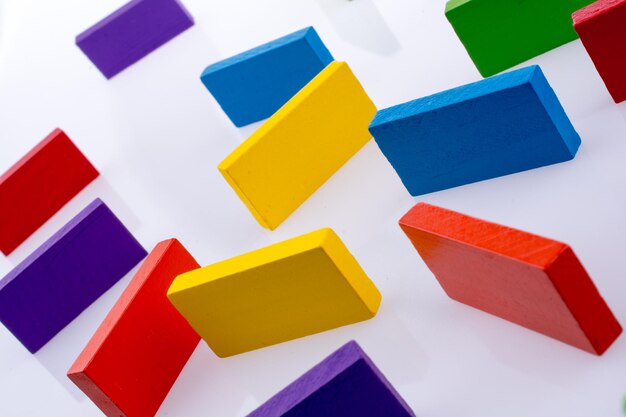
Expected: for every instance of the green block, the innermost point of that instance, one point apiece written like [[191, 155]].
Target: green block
[[499, 34]]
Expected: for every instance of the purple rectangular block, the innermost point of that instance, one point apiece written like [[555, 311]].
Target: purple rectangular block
[[347, 383], [53, 285], [132, 32]]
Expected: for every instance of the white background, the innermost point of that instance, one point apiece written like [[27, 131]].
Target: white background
[[156, 135]]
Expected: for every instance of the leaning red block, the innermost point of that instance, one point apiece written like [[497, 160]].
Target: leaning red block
[[535, 282], [602, 29], [137, 353], [38, 185]]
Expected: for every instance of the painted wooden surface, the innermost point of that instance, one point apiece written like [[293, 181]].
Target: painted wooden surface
[[302, 145], [132, 32], [346, 383], [288, 290], [498, 126], [53, 285], [602, 30], [533, 281], [38, 185], [137, 353], [499, 34], [253, 85], [139, 130]]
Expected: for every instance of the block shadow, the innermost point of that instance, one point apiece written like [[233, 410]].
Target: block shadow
[[99, 188], [361, 24]]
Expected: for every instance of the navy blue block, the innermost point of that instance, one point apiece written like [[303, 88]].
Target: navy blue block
[[345, 384], [251, 86], [498, 126]]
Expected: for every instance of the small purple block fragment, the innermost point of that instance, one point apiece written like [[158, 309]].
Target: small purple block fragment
[[347, 383], [53, 285], [132, 32]]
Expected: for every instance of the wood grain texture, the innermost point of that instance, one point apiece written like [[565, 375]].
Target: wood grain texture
[[499, 34], [346, 383], [302, 286], [301, 146], [132, 32], [137, 353], [253, 85], [498, 126], [67, 273], [602, 30], [38, 185], [533, 281]]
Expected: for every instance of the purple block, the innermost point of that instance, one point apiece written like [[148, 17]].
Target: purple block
[[347, 383], [53, 285], [132, 32]]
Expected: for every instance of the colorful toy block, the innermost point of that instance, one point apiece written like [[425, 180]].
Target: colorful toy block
[[347, 383], [498, 126], [602, 29], [499, 34], [53, 285], [302, 145], [38, 185], [288, 290], [535, 282], [253, 85], [132, 32], [135, 356]]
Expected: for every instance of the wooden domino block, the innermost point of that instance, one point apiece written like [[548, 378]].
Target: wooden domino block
[[535, 282], [253, 85], [499, 34], [38, 185], [302, 145], [346, 383], [602, 29], [54, 284], [132, 32], [288, 290], [498, 126], [135, 356]]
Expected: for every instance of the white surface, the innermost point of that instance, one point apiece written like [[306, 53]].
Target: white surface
[[156, 136]]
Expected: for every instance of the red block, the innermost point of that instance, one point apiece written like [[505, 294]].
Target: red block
[[38, 185], [135, 356], [535, 282], [602, 29]]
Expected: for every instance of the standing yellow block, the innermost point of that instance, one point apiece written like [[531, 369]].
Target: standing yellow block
[[288, 290], [302, 145]]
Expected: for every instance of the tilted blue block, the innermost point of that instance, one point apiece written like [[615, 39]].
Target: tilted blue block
[[498, 126], [251, 86]]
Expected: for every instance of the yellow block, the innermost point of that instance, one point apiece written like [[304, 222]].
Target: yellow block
[[302, 145], [288, 290]]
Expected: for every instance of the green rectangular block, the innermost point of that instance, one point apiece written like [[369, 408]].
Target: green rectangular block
[[499, 34]]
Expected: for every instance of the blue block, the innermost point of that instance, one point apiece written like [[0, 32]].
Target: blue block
[[345, 384], [251, 86], [498, 126]]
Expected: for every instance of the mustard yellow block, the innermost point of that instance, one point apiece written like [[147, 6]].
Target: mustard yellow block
[[288, 290], [302, 145]]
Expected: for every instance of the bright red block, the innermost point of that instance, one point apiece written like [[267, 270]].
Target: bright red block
[[602, 29], [527, 279], [135, 356], [38, 185]]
